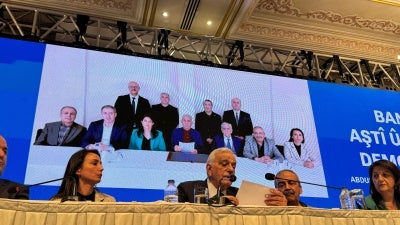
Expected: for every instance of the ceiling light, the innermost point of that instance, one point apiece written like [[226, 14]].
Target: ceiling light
[[209, 22], [165, 14], [398, 57]]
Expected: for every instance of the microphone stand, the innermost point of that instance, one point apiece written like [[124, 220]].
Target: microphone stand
[[44, 182], [270, 176], [218, 199], [73, 197]]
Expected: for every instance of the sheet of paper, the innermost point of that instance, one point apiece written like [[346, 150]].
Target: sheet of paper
[[186, 147], [252, 193]]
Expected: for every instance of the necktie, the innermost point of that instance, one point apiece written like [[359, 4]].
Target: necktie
[[133, 106], [228, 143], [237, 118]]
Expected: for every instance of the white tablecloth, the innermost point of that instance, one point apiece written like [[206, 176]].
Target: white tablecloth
[[15, 212]]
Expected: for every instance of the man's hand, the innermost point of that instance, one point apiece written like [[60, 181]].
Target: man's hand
[[275, 198]]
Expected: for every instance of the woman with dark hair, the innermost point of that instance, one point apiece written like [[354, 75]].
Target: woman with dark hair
[[146, 137], [384, 178], [297, 152], [84, 170]]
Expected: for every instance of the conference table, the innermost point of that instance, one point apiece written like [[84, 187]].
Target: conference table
[[17, 212]]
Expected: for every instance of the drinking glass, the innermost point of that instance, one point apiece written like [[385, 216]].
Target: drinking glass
[[200, 195], [358, 199]]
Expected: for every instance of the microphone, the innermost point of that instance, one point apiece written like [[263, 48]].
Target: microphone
[[232, 178], [270, 176], [13, 190], [218, 199]]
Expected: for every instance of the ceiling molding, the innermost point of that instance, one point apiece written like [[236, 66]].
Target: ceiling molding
[[120, 10], [302, 39], [286, 7]]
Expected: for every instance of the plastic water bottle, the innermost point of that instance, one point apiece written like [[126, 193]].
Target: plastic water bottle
[[171, 192], [345, 199]]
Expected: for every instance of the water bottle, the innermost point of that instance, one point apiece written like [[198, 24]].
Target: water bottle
[[345, 199], [171, 192]]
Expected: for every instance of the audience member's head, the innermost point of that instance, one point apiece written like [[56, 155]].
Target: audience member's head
[[3, 154], [221, 164], [68, 115], [287, 182]]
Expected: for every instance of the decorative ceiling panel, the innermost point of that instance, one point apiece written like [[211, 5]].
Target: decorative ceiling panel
[[123, 10]]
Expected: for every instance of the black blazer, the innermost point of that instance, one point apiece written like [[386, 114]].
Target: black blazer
[[125, 115], [245, 126], [186, 190], [13, 190]]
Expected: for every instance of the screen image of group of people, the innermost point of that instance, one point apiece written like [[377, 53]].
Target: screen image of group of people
[[132, 123], [85, 167]]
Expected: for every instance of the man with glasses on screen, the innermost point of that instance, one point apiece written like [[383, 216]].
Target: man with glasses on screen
[[131, 107], [9, 189]]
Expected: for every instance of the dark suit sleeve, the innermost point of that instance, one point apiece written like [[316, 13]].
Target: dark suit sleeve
[[183, 192], [78, 139], [88, 137], [248, 126], [121, 139], [41, 139], [13, 190]]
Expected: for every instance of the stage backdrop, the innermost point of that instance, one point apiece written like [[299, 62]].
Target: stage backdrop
[[347, 127]]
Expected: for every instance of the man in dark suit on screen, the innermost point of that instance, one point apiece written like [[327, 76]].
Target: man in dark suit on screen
[[131, 107], [62, 133], [166, 118], [240, 120], [106, 134], [10, 189]]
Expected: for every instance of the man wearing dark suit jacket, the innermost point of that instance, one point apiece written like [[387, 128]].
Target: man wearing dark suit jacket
[[240, 120], [131, 107], [63, 133], [220, 167], [106, 134], [228, 141], [166, 118], [208, 124], [10, 189]]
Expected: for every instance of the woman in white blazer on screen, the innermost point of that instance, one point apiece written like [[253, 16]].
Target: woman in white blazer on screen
[[297, 152]]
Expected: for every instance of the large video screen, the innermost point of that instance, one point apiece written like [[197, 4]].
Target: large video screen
[[346, 128]]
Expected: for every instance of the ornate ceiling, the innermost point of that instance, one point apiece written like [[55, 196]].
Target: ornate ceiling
[[349, 41], [368, 29]]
